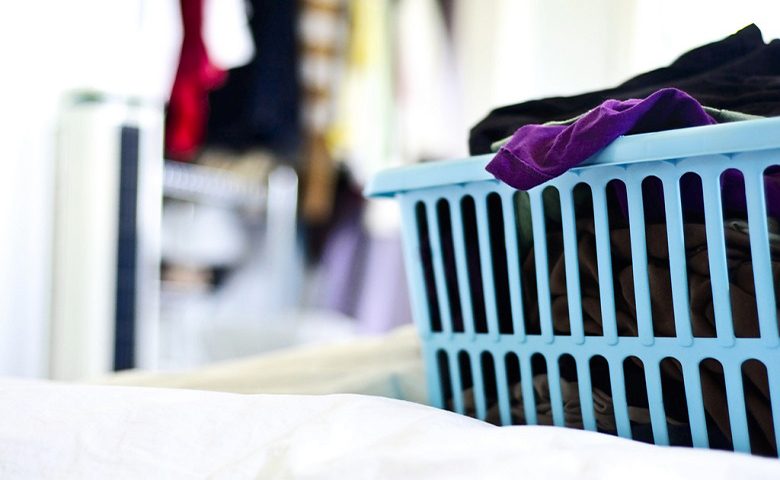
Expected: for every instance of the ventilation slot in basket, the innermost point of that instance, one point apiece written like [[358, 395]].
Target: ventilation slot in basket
[[499, 257], [636, 400], [443, 362], [737, 241], [767, 288], [467, 384], [541, 386], [556, 261], [675, 403], [601, 387], [587, 260], [657, 250], [570, 394], [490, 388], [760, 418], [525, 239], [514, 390], [426, 258], [471, 242], [697, 259], [448, 256], [621, 256], [716, 405]]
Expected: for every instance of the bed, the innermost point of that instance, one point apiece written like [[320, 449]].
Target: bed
[[358, 409], [109, 430]]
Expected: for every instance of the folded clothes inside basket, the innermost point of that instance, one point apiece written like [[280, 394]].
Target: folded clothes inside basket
[[702, 316], [743, 308]]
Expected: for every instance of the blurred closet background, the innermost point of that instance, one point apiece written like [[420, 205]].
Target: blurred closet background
[[181, 179]]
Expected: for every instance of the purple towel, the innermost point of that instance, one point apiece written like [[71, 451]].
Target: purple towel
[[537, 153]]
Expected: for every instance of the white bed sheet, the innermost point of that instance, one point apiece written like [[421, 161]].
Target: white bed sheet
[[50, 430]]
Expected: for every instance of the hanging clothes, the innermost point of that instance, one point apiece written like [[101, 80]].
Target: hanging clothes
[[216, 38], [259, 104], [196, 75], [361, 135], [324, 31]]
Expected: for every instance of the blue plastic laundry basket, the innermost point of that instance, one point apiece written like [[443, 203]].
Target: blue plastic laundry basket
[[477, 341]]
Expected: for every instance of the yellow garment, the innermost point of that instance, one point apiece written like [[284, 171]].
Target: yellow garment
[[361, 133]]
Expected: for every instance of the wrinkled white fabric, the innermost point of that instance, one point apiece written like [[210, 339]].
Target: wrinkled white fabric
[[50, 430]]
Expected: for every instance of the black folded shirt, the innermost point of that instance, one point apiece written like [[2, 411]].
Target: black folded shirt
[[739, 73]]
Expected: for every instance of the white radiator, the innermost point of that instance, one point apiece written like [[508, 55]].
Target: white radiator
[[106, 260]]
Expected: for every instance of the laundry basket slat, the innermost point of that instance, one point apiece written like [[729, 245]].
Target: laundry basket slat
[[677, 261], [713, 218]]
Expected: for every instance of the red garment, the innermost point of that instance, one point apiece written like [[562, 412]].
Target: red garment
[[188, 108]]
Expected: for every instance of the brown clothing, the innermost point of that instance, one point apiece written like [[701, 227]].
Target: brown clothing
[[742, 296]]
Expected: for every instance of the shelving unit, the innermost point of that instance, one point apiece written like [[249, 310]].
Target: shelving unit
[[201, 323]]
